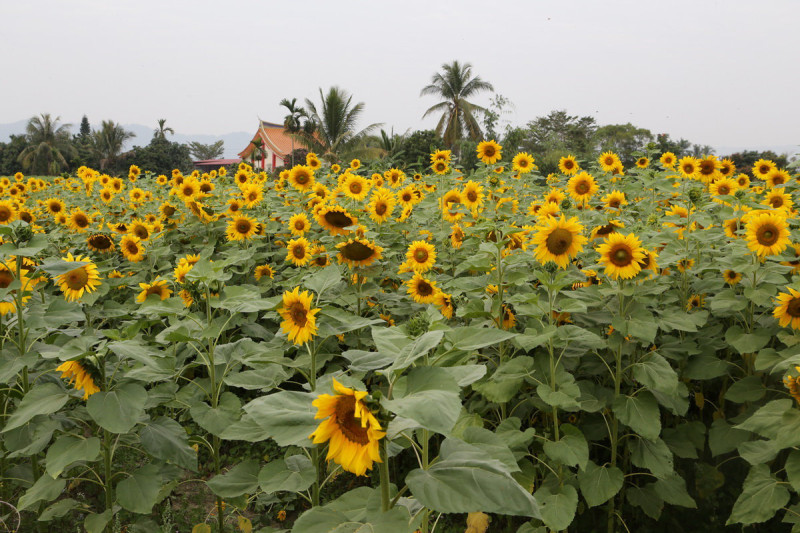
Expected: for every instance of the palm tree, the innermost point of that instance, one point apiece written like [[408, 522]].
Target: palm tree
[[293, 122], [161, 131], [108, 141], [47, 144], [332, 129], [454, 85]]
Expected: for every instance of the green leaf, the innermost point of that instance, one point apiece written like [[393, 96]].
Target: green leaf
[[747, 389], [244, 299], [558, 505], [166, 439], [323, 279], [474, 337], [216, 420], [292, 474], [96, 523], [655, 373], [599, 483], [767, 420], [759, 451], [42, 399], [45, 489], [120, 409], [138, 493], [761, 497], [705, 367], [431, 398], [793, 469], [330, 520], [67, 450], [239, 480], [646, 498], [571, 449], [672, 489], [58, 509], [724, 438], [416, 349], [336, 321], [466, 480], [640, 413], [653, 455], [492, 444], [747, 342], [286, 416], [506, 380]]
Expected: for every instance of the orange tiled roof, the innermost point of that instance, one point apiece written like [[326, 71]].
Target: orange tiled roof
[[275, 138]]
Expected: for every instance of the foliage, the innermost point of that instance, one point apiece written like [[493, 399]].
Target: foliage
[[204, 152], [48, 145], [9, 154], [161, 131], [108, 142], [160, 156], [745, 160], [623, 139]]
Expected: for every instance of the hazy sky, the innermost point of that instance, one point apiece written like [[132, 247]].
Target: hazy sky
[[715, 72]]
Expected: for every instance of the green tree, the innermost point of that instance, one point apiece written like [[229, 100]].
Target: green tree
[[550, 137], [160, 157], [202, 152], [623, 140], [295, 121], [161, 131], [454, 85], [49, 145], [745, 160], [85, 131], [665, 144], [9, 154], [417, 148], [109, 140], [335, 135]]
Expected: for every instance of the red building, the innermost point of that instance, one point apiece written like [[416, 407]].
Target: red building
[[275, 145]]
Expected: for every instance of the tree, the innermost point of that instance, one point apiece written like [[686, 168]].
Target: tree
[[109, 140], [496, 110], [85, 131], [744, 161], [160, 156], [454, 85], [9, 154], [335, 120], [623, 140], [203, 152], [161, 131], [48, 145], [664, 144], [294, 122], [557, 134], [416, 148]]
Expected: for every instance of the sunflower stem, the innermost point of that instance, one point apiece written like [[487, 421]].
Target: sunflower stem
[[384, 472]]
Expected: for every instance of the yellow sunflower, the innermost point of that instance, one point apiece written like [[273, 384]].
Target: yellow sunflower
[[299, 320], [795, 262], [621, 255], [100, 243], [75, 372], [777, 177], [615, 200], [441, 155], [688, 167], [312, 161], [358, 252], [558, 240], [301, 177], [158, 288], [456, 236], [608, 161], [421, 289], [668, 160], [582, 187], [299, 224], [787, 309], [731, 277], [335, 219], [727, 168], [767, 234], [252, 194], [80, 280], [568, 165], [140, 229], [440, 167], [778, 199], [444, 302], [353, 431], [241, 227], [297, 251], [762, 168], [265, 270], [489, 152], [708, 168], [642, 162], [696, 301], [421, 256], [8, 273], [132, 248], [381, 205], [55, 206], [79, 221], [180, 272], [523, 163], [355, 187]]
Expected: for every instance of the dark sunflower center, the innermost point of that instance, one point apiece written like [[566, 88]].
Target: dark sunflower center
[[355, 188], [568, 164], [252, 197], [76, 279], [81, 221], [321, 260], [55, 208], [299, 251], [706, 168], [356, 251], [613, 203], [621, 256], [380, 208], [298, 313], [302, 178], [24, 215], [723, 190], [605, 230], [420, 255], [338, 219], [793, 309], [169, 210], [489, 151], [188, 191], [101, 242], [763, 169], [559, 241], [406, 197], [243, 226], [132, 248], [767, 235], [424, 288], [205, 187], [582, 188], [472, 196], [141, 232], [299, 225], [776, 201], [349, 425], [777, 180], [688, 169], [5, 213], [5, 279], [234, 208]]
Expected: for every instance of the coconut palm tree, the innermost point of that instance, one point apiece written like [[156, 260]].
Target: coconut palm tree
[[109, 140], [454, 85], [293, 122], [47, 145], [161, 131], [334, 125]]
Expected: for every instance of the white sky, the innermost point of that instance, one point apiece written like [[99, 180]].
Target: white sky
[[718, 72]]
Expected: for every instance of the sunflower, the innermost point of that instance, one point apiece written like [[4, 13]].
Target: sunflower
[[549, 209], [509, 318], [188, 190], [621, 255], [688, 167], [731, 277], [55, 206], [489, 152], [421, 289], [180, 272], [264, 271], [8, 213], [795, 262], [167, 210], [668, 160], [582, 187], [100, 243], [684, 264], [335, 219], [696, 301], [440, 167], [441, 155], [406, 196], [80, 280], [136, 195], [252, 194], [608, 161], [106, 195], [727, 168], [75, 372], [777, 199], [358, 252], [299, 224], [708, 168], [240, 228], [395, 177], [787, 309], [558, 240], [140, 229], [355, 187], [642, 162], [523, 163], [732, 226], [762, 168], [321, 259], [335, 168], [444, 302], [776, 177], [456, 236], [131, 248], [767, 234], [312, 161], [615, 199], [568, 165], [158, 288], [8, 273], [555, 196], [299, 320], [420, 256], [723, 187], [793, 384], [381, 205], [297, 251], [301, 177], [353, 431]]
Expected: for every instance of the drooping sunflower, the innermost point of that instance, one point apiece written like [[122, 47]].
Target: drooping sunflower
[[358, 252], [80, 280], [421, 289], [75, 372], [509, 318], [615, 200], [582, 187], [100, 243], [688, 167], [767, 233], [731, 277], [421, 256], [568, 165], [320, 258], [301, 177], [489, 152], [132, 248], [668, 160], [353, 431], [732, 227], [444, 302], [297, 251], [456, 236], [158, 288], [335, 219], [240, 228], [558, 240], [264, 271], [381, 205], [523, 163], [621, 255], [787, 309], [762, 168], [299, 320]]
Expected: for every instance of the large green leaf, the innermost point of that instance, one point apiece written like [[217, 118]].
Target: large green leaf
[[244, 299], [558, 505], [286, 416], [216, 420], [599, 483], [120, 409], [138, 493], [329, 520], [431, 398], [506, 380], [416, 349], [474, 337], [69, 449], [241, 479], [653, 455], [724, 438], [640, 413], [165, 439], [761, 497], [45, 489], [672, 489], [96, 523], [655, 373], [571, 449], [292, 474], [42, 399]]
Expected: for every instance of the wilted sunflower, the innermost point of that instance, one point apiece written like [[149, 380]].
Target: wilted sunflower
[[297, 251], [582, 187], [299, 320], [132, 248], [241, 227], [762, 168], [668, 160], [158, 288], [381, 205], [731, 277], [621, 255], [75, 372], [421, 289], [421, 256], [787, 309], [264, 271], [301, 177], [100, 243], [358, 252], [558, 240], [767, 234], [568, 165], [80, 280], [335, 219], [353, 431], [489, 152], [523, 163]]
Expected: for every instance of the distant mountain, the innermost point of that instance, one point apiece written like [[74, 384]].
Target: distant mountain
[[234, 142]]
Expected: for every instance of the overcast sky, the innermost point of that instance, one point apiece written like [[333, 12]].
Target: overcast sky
[[715, 72]]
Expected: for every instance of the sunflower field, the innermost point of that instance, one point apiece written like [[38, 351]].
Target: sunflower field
[[353, 348]]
